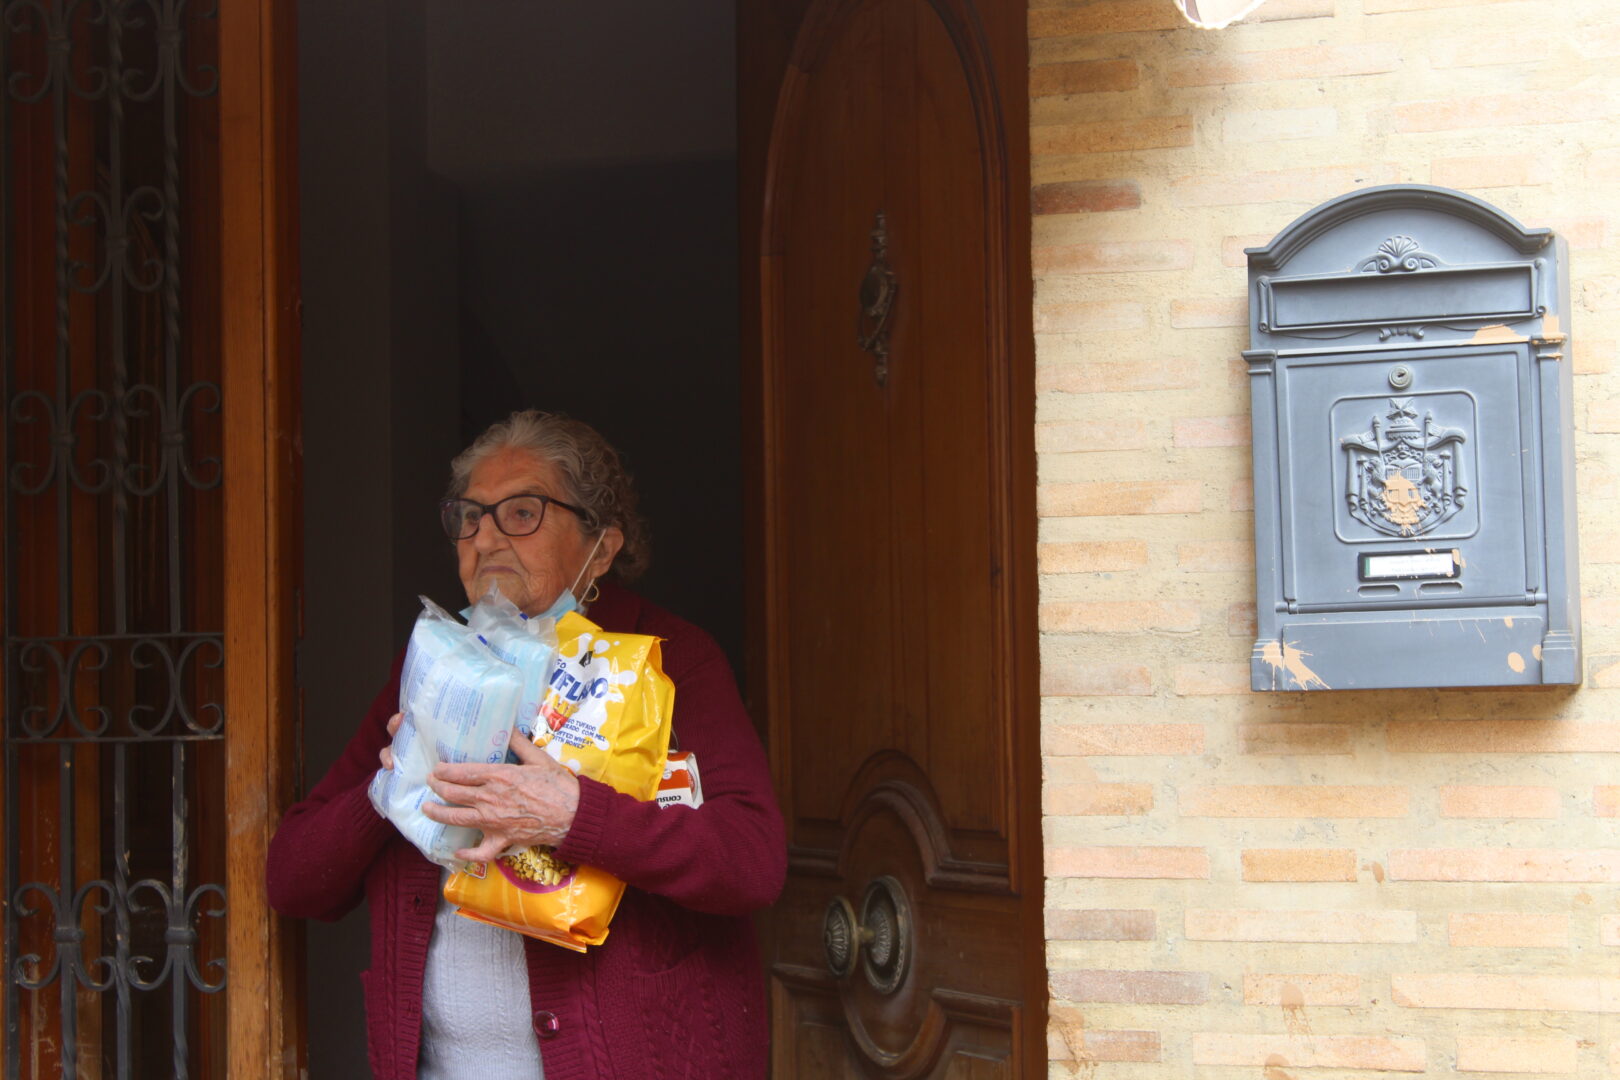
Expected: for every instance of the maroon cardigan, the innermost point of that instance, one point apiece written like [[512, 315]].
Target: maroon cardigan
[[677, 990]]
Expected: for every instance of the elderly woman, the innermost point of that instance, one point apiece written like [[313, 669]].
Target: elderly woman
[[540, 507]]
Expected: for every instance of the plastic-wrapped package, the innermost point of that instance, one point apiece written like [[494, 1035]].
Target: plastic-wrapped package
[[606, 715], [525, 643], [460, 701]]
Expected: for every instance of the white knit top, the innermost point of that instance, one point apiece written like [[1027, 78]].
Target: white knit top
[[476, 1021]]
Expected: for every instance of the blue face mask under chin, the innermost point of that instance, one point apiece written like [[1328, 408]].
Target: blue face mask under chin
[[566, 602]]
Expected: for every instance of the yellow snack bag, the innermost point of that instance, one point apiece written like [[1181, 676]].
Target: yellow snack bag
[[605, 715]]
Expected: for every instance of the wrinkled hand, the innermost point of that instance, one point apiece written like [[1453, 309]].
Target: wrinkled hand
[[386, 754], [529, 803]]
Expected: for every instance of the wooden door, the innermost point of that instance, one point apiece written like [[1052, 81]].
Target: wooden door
[[885, 208], [148, 550]]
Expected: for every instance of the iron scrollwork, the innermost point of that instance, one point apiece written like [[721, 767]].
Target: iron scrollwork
[[113, 664], [880, 288]]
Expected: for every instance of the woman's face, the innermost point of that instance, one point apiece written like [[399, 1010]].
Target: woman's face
[[531, 571]]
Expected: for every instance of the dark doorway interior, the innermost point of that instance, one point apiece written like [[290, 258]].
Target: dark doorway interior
[[504, 204]]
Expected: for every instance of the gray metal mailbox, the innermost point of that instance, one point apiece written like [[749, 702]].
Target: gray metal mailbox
[[1414, 472]]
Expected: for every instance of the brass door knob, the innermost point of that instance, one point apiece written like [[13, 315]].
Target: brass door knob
[[881, 936]]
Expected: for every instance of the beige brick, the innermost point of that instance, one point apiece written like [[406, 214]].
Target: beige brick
[[1089, 436], [1500, 111], [1603, 166], [1586, 234], [1504, 864], [1458, 48], [1068, 1039], [1092, 556], [1130, 256], [1517, 1054], [1598, 41], [1232, 253], [1172, 863], [1300, 990], [1603, 415], [1240, 496], [1299, 864], [1242, 620], [1109, 498], [1295, 801], [1609, 929], [1104, 377], [1597, 292], [1601, 547], [1111, 136], [1294, 739], [1306, 185], [1100, 925], [1509, 930], [1385, 7], [1600, 610], [1282, 10], [1132, 987], [1202, 680], [1085, 197], [1310, 62], [1606, 801], [1090, 316], [1492, 170], [1554, 736], [1118, 616], [1498, 802], [1272, 125], [1280, 1052], [1097, 800], [1083, 77], [1322, 927], [1197, 314], [1105, 17], [1558, 993], [1060, 679], [1215, 556], [1604, 672], [1125, 740], [1196, 432]]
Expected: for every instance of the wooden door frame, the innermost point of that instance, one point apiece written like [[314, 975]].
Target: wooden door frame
[[767, 36], [262, 490]]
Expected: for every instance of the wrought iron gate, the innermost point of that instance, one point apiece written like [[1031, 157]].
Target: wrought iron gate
[[114, 807]]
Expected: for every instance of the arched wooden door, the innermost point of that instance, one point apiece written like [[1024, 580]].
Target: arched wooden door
[[895, 630]]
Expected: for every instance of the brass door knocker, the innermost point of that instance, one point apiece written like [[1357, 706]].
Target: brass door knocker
[[879, 289]]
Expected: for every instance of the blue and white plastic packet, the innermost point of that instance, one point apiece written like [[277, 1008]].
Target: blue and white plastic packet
[[527, 644], [460, 700]]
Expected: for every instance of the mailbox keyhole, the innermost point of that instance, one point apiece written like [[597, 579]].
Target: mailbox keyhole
[[1400, 376]]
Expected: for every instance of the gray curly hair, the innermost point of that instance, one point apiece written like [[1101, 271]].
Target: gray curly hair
[[593, 476]]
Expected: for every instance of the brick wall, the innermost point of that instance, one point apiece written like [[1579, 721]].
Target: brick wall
[[1288, 886]]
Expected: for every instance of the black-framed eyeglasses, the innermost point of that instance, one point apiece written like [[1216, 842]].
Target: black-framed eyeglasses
[[515, 515]]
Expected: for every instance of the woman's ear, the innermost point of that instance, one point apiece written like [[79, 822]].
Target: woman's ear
[[612, 541]]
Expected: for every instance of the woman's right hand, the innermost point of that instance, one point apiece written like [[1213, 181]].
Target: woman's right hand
[[386, 754]]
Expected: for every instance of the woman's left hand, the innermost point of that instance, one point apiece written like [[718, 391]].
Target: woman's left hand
[[532, 802]]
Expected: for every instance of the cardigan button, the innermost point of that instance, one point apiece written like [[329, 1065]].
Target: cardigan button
[[546, 1024]]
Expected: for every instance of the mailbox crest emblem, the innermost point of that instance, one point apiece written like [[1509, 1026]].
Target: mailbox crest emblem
[[1405, 478]]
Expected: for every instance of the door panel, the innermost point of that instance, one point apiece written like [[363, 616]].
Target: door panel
[[895, 495]]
